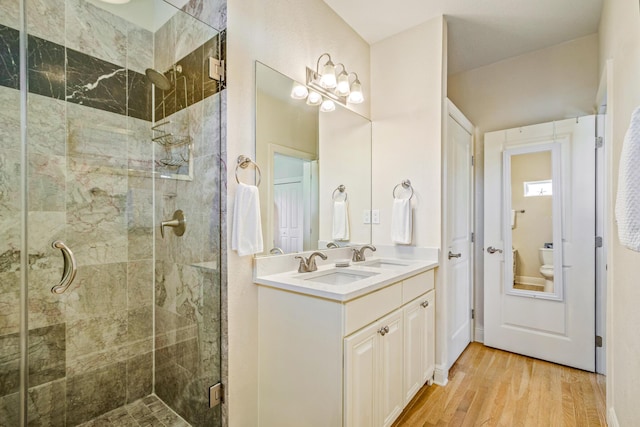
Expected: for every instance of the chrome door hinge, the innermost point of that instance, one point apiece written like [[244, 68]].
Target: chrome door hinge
[[598, 242], [216, 69], [473, 237], [216, 395], [473, 161], [598, 341], [599, 142], [473, 313]]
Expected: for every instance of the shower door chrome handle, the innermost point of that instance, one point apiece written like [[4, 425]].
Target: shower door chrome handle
[[70, 268]]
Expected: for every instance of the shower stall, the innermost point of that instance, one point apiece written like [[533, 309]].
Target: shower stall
[[111, 122]]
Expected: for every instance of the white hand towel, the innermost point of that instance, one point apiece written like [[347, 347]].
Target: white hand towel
[[628, 198], [401, 226], [340, 220], [513, 218], [246, 235]]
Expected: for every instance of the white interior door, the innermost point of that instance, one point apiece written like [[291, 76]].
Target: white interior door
[[557, 327], [289, 215], [458, 254]]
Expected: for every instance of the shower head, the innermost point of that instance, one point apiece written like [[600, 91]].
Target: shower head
[[158, 79]]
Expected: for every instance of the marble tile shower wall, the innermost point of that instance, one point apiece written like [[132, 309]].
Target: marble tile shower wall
[[89, 111]]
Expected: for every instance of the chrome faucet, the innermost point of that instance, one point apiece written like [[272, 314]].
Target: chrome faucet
[[307, 265], [358, 254], [331, 245], [276, 250]]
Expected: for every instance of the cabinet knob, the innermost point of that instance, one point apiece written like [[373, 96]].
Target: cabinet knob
[[425, 304], [384, 330]]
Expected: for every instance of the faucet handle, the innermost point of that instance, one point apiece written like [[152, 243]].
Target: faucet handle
[[303, 267], [356, 255]]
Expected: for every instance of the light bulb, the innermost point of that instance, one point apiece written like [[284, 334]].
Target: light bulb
[[327, 106], [342, 89], [314, 98], [328, 76], [299, 91], [356, 97]]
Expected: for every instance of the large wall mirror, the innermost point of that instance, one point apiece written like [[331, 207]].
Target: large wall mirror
[[316, 169], [533, 221]]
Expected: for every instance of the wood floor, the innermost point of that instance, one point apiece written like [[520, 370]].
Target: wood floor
[[489, 387]]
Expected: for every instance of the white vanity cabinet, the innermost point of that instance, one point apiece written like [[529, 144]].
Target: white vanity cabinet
[[373, 373], [419, 344], [355, 363]]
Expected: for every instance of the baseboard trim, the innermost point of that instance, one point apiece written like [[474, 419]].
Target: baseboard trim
[[479, 335], [441, 375], [612, 419]]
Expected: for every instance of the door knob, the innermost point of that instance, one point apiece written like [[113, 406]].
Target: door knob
[[178, 222], [493, 250], [452, 255]]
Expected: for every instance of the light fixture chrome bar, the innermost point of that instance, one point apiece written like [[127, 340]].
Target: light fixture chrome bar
[[313, 81]]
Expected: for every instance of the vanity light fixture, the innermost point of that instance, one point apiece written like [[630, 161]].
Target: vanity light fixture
[[327, 87]]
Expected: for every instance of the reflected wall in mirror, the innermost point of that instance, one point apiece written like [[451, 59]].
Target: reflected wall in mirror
[[307, 154], [532, 221]]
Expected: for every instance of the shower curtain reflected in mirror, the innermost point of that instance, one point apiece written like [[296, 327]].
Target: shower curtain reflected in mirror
[[136, 336]]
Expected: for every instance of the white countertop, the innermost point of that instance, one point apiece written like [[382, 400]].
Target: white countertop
[[303, 282]]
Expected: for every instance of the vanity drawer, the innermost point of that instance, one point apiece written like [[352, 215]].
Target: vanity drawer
[[366, 309], [417, 285]]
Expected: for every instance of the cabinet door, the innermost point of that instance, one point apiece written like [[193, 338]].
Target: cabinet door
[[391, 367], [414, 347], [360, 377], [428, 304]]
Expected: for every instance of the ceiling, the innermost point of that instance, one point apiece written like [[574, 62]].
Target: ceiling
[[481, 32]]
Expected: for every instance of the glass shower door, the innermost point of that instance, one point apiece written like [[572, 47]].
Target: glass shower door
[[135, 336]]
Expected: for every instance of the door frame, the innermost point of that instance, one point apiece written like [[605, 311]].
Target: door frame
[[272, 150], [442, 363]]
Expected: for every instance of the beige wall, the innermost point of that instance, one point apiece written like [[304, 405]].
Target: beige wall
[[287, 36], [549, 84], [534, 227], [620, 42], [407, 73]]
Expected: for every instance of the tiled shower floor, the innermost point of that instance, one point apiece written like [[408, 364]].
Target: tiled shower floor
[[147, 412]]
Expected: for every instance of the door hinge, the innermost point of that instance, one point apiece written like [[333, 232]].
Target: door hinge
[[473, 313], [473, 237], [216, 395], [598, 341], [473, 161], [598, 242], [599, 141], [216, 69]]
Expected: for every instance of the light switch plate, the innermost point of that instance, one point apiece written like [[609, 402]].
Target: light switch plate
[[375, 216], [366, 216]]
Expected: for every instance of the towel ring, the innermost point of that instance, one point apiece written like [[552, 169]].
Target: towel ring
[[244, 162], [342, 189], [406, 184]]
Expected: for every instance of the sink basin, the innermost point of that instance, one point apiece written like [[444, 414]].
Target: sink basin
[[386, 263], [341, 277]]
